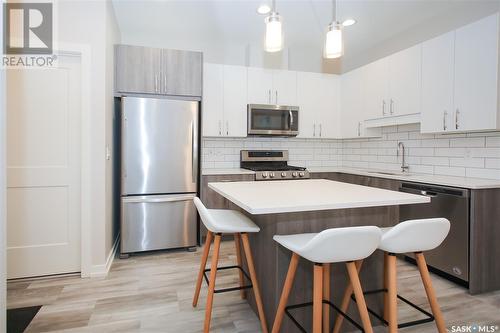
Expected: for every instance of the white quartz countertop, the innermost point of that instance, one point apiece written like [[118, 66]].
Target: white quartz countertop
[[287, 196], [463, 182]]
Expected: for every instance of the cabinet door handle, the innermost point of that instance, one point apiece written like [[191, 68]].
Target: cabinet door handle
[[456, 118], [220, 128], [314, 129], [391, 109], [276, 93], [269, 96], [156, 83], [165, 83], [359, 128], [320, 130], [445, 113], [383, 107], [227, 127]]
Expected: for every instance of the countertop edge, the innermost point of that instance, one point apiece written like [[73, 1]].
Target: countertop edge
[[452, 181]]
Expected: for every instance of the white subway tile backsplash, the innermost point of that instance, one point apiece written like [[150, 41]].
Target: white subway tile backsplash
[[467, 162], [492, 163], [449, 171], [468, 142], [434, 160], [493, 141], [483, 173], [471, 155]]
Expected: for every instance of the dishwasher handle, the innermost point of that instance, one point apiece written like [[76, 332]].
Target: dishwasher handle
[[432, 191]]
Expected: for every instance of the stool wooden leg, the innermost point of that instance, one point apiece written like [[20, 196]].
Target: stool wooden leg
[[317, 298], [429, 289], [255, 283], [345, 301], [386, 296], [326, 297], [204, 257], [237, 243], [280, 312], [211, 286], [360, 298], [392, 293]]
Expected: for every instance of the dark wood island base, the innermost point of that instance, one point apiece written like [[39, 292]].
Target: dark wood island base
[[272, 260]]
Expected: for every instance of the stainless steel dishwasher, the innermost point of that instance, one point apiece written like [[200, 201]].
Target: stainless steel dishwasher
[[452, 257]]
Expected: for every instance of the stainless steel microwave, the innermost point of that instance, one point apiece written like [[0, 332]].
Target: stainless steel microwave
[[279, 120]]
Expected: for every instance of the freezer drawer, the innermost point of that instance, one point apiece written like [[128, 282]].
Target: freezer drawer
[[157, 222]]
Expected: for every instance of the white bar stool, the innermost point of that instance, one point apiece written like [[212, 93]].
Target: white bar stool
[[410, 236], [324, 248], [218, 222]]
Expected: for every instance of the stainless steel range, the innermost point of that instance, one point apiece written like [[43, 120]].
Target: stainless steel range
[[271, 165]]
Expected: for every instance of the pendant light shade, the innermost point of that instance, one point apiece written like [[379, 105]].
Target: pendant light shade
[[334, 43], [274, 32]]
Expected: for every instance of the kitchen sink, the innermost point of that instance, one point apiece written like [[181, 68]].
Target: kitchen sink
[[390, 173]]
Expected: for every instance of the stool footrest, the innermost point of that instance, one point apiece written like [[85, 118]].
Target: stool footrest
[[225, 290], [429, 316], [301, 305]]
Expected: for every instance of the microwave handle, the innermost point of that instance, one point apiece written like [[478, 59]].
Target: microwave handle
[[290, 118]]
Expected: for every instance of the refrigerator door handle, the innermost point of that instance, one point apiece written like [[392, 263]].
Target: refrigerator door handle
[[194, 152], [158, 198]]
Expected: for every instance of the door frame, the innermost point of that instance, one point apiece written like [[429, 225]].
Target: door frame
[[84, 52]]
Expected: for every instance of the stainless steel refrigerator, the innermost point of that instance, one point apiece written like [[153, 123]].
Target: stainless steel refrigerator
[[159, 173]]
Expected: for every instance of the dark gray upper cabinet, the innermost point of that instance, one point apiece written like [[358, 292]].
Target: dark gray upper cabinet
[[146, 70]]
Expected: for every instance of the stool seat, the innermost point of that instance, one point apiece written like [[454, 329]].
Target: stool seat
[[414, 235], [333, 245], [231, 221], [224, 220]]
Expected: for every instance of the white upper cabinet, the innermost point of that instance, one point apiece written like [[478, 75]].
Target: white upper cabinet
[[405, 81], [437, 83], [476, 76], [235, 101], [213, 99], [267, 86], [224, 100], [393, 84], [284, 88], [318, 100], [260, 86], [459, 79], [351, 104], [330, 107], [376, 88]]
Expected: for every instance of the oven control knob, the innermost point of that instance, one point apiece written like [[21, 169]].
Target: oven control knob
[[283, 174], [271, 175], [294, 174], [301, 174], [265, 174]]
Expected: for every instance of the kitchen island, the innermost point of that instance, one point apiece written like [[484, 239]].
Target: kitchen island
[[300, 206]]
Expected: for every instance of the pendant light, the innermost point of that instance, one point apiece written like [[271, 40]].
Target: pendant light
[[334, 43], [274, 31]]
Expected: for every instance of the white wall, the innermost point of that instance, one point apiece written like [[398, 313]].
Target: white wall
[[112, 37], [3, 186], [92, 23]]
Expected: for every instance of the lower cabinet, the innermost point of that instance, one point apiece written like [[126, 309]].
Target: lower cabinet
[[383, 183]]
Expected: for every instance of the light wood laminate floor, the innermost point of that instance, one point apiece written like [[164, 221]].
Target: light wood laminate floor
[[153, 293]]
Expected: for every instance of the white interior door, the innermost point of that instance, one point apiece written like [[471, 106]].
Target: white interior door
[[43, 170]]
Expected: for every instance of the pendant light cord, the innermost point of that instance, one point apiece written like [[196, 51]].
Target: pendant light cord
[[274, 6], [334, 10]]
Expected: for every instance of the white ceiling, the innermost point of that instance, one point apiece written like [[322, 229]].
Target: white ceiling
[[213, 26]]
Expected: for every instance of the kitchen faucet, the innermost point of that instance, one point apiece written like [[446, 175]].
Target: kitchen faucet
[[404, 167]]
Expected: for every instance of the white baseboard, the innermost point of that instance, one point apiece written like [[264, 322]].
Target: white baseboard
[[103, 270]]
